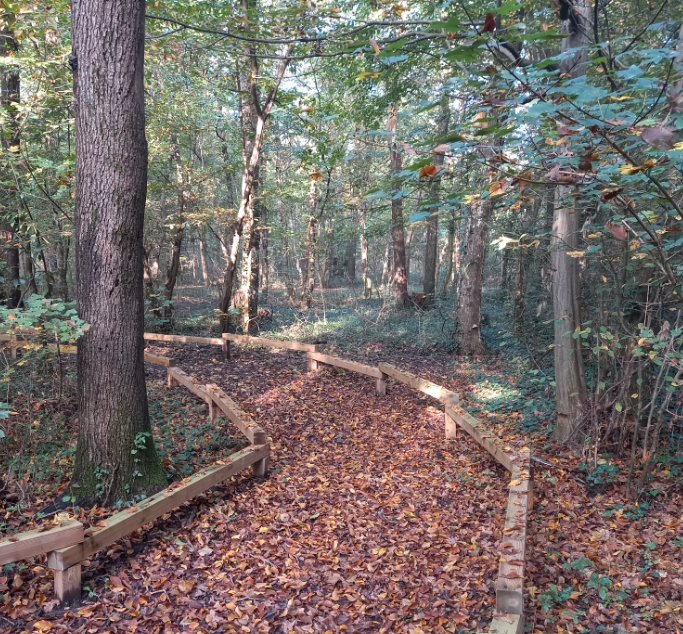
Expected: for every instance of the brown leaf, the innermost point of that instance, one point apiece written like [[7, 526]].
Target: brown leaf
[[375, 46], [658, 137], [316, 176], [489, 24], [428, 171], [617, 231]]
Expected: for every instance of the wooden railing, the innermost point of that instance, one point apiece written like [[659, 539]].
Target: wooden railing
[[509, 587]]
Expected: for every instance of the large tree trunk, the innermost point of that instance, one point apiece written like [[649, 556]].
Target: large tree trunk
[[570, 376], [178, 229], [115, 455], [432, 233], [10, 100], [468, 336], [398, 239]]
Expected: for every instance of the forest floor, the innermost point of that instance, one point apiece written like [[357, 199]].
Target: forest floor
[[370, 521]]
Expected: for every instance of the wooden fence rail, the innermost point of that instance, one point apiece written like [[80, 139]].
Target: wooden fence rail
[[66, 562], [41, 540]]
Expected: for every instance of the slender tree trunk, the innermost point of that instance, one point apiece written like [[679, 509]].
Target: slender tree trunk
[[63, 248], [351, 261], [408, 243], [178, 229], [253, 118], [367, 282], [10, 100], [468, 336], [386, 264], [308, 282], [432, 233], [115, 455], [520, 289], [202, 258], [27, 272], [400, 278], [570, 376], [450, 248]]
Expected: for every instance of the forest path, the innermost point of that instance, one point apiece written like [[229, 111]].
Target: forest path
[[368, 520]]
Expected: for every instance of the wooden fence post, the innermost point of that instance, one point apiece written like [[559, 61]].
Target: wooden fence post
[[382, 385], [68, 584], [451, 425], [226, 350], [312, 363], [172, 382]]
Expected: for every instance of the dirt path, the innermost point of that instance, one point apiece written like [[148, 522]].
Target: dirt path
[[369, 522]]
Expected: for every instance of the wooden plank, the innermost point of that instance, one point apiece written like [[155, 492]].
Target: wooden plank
[[509, 587], [480, 436], [242, 421], [507, 624], [272, 343], [422, 385], [450, 425], [201, 341], [353, 366], [148, 510], [154, 359], [184, 379], [30, 543]]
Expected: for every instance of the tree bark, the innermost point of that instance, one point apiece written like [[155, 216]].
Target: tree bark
[[570, 376], [202, 258], [178, 229], [308, 281], [367, 281], [253, 122], [450, 250], [115, 454], [10, 100], [400, 278], [432, 232], [351, 261], [468, 336]]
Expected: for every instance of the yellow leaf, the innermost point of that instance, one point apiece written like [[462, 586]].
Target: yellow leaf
[[185, 586], [263, 529], [576, 254], [43, 626], [366, 75], [471, 198], [515, 483], [381, 551], [604, 279], [622, 98]]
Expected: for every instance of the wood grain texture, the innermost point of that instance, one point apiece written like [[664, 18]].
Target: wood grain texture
[[271, 343], [68, 584], [479, 435], [200, 341], [353, 366], [178, 376], [240, 419], [30, 543], [421, 385], [154, 359], [507, 624], [126, 522], [510, 584]]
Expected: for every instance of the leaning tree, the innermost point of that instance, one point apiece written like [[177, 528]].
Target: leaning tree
[[115, 456]]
